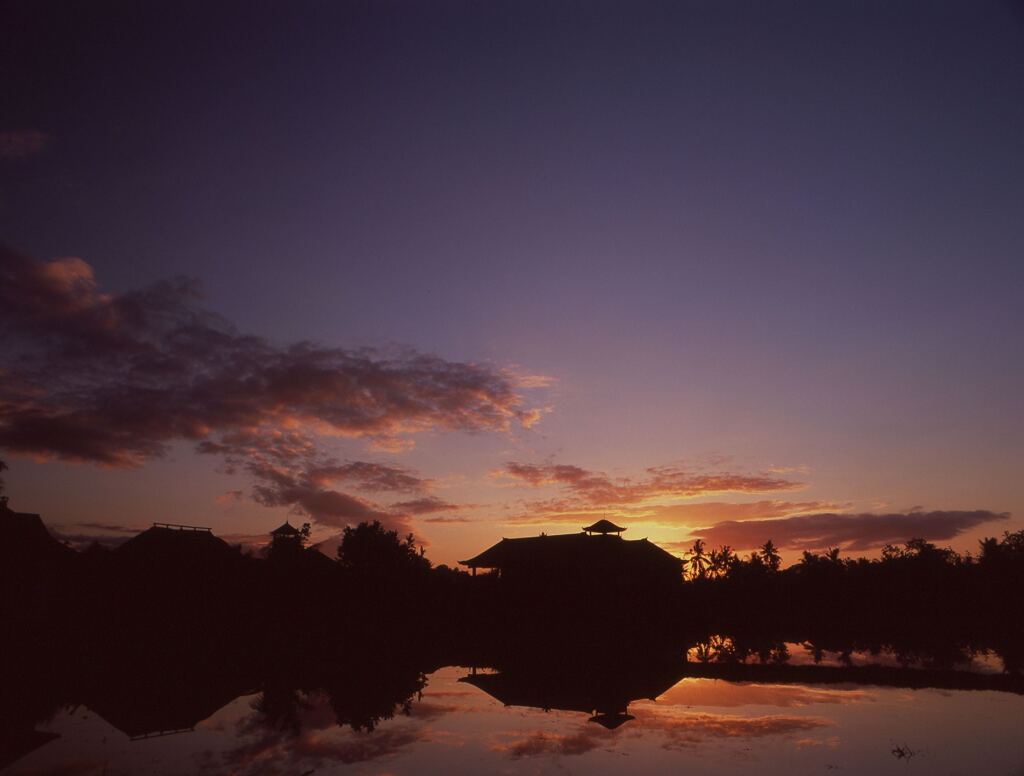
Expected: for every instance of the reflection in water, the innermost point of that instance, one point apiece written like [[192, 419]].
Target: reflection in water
[[713, 706], [601, 691]]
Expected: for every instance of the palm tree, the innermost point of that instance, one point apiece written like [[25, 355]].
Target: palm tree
[[770, 556], [989, 549], [721, 561], [698, 561]]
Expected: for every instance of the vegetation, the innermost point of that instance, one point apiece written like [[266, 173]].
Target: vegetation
[[911, 595]]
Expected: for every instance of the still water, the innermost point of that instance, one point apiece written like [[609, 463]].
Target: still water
[[476, 720]]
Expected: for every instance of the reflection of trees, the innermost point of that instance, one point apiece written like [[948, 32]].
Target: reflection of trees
[[929, 606], [364, 695], [280, 709]]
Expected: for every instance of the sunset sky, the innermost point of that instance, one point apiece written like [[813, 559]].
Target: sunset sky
[[491, 269]]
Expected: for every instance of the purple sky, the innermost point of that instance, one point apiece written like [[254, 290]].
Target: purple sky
[[751, 239]]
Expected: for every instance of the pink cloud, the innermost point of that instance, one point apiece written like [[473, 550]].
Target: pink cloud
[[852, 532]]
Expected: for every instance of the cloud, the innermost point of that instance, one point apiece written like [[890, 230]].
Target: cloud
[[681, 730], [310, 750], [424, 506], [111, 527], [711, 692], [288, 470], [854, 532], [109, 534], [114, 379], [675, 729], [542, 743], [230, 497], [585, 492], [371, 477], [249, 542], [598, 488], [448, 519], [16, 145], [80, 541], [685, 514]]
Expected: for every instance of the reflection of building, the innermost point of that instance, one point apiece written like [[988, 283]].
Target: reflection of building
[[597, 557], [604, 694], [163, 700]]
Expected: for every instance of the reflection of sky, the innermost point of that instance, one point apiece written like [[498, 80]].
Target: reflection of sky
[[699, 726]]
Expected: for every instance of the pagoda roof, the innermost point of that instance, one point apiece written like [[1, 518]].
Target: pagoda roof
[[553, 548], [594, 689], [604, 527], [287, 529], [611, 721]]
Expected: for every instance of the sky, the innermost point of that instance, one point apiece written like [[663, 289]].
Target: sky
[[490, 269]]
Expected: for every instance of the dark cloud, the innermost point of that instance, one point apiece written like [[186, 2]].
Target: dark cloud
[[113, 379], [442, 519], [320, 744], [288, 470], [372, 477], [424, 506], [108, 534], [542, 743], [80, 540], [110, 528], [854, 532]]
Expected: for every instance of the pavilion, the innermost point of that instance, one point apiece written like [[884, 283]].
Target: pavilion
[[597, 557]]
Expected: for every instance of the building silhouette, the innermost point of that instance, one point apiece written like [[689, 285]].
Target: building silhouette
[[596, 560]]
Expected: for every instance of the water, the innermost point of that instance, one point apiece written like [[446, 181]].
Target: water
[[454, 719]]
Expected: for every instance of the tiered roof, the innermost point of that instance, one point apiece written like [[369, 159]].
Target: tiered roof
[[553, 548], [604, 527]]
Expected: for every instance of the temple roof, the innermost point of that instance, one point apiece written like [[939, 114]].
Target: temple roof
[[286, 530], [611, 721], [553, 549], [26, 532], [604, 527]]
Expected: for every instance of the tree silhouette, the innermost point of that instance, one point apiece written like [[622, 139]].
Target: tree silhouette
[[722, 561], [698, 562], [371, 548], [770, 556]]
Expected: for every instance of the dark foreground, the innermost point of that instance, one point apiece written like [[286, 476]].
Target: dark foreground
[[312, 661]]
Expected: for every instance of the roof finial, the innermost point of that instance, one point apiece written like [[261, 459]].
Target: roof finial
[[604, 527]]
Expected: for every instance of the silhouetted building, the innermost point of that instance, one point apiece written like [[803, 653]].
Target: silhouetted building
[[286, 534], [172, 539], [597, 559], [603, 527], [25, 535]]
